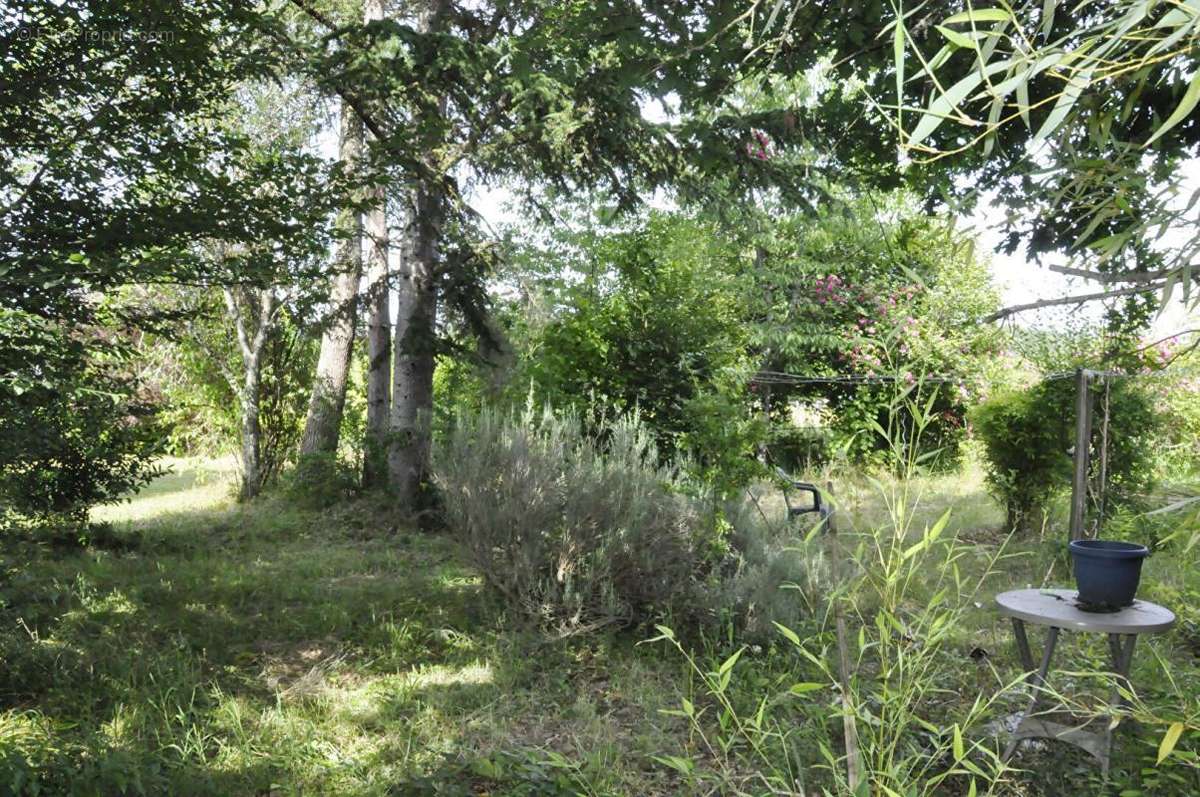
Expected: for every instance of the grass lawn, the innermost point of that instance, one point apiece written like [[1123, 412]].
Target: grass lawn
[[212, 648]]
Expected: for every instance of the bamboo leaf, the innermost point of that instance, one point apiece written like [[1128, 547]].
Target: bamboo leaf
[[729, 662], [1062, 107], [789, 633], [1023, 103], [959, 749], [1190, 98], [979, 15], [947, 103], [1170, 738], [807, 686], [956, 38], [1048, 9]]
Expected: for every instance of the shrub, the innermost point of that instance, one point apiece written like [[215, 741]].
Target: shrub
[[75, 430], [319, 481], [574, 529], [774, 573], [1028, 436]]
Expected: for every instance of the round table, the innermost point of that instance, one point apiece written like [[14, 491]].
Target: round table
[[1056, 609]]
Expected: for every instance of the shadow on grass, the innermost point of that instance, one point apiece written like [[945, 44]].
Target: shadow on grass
[[223, 654]]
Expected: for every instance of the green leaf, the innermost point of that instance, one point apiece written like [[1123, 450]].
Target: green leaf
[[789, 633], [1170, 738], [1062, 107], [806, 686], [1190, 98], [956, 38], [729, 662], [1048, 9], [978, 15], [959, 749], [947, 103], [1023, 103]]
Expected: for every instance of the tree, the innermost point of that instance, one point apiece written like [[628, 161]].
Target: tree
[[337, 341], [379, 327], [873, 296], [645, 317], [114, 167], [552, 95], [1079, 116]]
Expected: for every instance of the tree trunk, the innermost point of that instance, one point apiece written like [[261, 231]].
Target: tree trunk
[[379, 326], [416, 324], [324, 419], [379, 347], [414, 350], [251, 346], [252, 476]]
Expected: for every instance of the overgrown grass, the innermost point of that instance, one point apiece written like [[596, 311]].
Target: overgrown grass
[[268, 649], [262, 649]]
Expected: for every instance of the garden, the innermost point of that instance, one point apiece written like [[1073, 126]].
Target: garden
[[542, 398]]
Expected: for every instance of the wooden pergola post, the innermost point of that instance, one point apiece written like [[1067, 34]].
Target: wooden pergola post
[[1083, 441]]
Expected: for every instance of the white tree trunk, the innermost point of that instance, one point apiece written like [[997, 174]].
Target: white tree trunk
[[324, 419], [251, 343], [414, 350], [379, 326], [379, 347]]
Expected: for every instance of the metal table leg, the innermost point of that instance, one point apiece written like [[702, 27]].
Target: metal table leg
[[1022, 644], [1121, 651], [1038, 680]]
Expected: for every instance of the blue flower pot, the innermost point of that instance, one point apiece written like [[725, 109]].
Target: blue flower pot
[[1107, 572]]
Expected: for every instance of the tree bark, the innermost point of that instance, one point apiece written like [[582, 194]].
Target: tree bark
[[414, 352], [251, 346], [379, 347], [324, 419], [379, 326]]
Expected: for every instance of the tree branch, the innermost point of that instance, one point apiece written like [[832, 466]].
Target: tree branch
[[1127, 276], [1076, 299]]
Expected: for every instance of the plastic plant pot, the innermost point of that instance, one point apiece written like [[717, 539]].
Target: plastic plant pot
[[1107, 572]]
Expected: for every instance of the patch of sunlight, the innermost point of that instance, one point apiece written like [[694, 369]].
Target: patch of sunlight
[[365, 701], [115, 602], [121, 729], [457, 581], [441, 675], [190, 485]]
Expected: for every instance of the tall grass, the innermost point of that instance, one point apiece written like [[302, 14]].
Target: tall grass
[[881, 724]]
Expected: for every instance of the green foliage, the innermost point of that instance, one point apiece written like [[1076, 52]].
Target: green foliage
[[1028, 436], [77, 434], [1079, 117], [200, 370], [114, 165], [869, 292], [890, 612], [320, 480], [646, 320], [573, 528]]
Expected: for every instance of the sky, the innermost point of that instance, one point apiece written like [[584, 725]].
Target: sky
[[1021, 280]]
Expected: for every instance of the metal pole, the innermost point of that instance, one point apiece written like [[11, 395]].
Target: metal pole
[[1083, 439]]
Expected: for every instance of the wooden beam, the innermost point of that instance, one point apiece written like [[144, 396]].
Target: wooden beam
[[1083, 439]]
